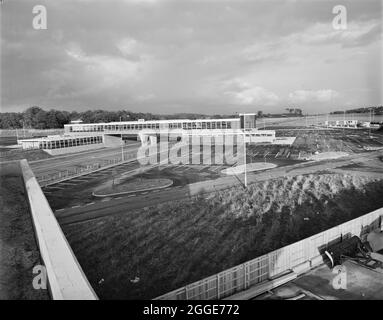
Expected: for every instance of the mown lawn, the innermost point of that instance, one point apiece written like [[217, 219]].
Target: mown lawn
[[181, 242]]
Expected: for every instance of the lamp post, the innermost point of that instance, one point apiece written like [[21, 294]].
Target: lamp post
[[244, 147], [244, 150]]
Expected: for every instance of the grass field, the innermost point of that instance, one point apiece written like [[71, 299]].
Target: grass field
[[181, 242]]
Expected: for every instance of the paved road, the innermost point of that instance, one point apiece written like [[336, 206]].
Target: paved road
[[132, 202], [62, 163]]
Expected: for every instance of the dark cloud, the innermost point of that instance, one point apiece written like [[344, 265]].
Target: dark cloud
[[176, 55]]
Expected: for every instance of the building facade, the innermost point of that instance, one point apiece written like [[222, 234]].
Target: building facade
[[80, 136]]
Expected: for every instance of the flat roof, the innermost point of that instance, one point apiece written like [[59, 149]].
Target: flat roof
[[151, 121], [58, 137]]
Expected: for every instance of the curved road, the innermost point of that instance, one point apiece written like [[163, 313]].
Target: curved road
[[133, 202]]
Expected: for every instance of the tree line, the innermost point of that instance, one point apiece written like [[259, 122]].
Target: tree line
[[37, 118]]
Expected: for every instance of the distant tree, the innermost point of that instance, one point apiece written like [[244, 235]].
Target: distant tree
[[51, 119], [29, 116], [298, 111], [10, 120], [40, 120]]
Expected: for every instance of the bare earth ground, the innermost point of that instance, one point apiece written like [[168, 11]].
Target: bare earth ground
[[19, 252]]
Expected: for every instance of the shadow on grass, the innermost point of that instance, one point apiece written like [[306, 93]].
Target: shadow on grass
[[176, 244]]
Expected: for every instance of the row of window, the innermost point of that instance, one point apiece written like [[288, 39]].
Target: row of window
[[262, 135], [201, 125], [139, 126], [58, 144]]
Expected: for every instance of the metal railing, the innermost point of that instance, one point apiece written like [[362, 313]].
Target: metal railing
[[29, 133], [56, 177]]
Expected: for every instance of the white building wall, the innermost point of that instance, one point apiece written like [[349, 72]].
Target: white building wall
[[60, 151]]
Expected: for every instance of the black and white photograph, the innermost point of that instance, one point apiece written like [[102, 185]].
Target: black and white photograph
[[184, 152]]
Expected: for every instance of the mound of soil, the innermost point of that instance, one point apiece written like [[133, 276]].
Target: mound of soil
[[111, 187]]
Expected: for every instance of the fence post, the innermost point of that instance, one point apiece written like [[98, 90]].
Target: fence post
[[246, 275], [186, 292], [218, 293]]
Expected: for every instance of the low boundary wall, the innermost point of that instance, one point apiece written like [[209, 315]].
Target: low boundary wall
[[66, 278], [297, 257]]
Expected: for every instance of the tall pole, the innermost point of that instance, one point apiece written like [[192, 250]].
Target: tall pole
[[369, 127], [344, 120], [244, 150], [244, 147]]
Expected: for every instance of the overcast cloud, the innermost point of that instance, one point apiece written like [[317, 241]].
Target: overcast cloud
[[191, 56]]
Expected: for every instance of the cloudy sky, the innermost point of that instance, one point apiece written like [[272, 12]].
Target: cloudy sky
[[206, 56]]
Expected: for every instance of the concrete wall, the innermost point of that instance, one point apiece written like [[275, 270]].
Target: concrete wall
[[65, 276]]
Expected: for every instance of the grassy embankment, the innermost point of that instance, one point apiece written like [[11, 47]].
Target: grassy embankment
[[178, 243]]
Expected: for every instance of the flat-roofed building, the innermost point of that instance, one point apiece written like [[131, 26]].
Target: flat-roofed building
[[80, 136], [55, 145], [353, 124], [134, 127]]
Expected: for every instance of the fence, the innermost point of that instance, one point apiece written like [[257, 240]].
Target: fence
[[52, 178], [275, 263]]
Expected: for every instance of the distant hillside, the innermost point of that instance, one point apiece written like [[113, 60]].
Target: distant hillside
[[375, 110]]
